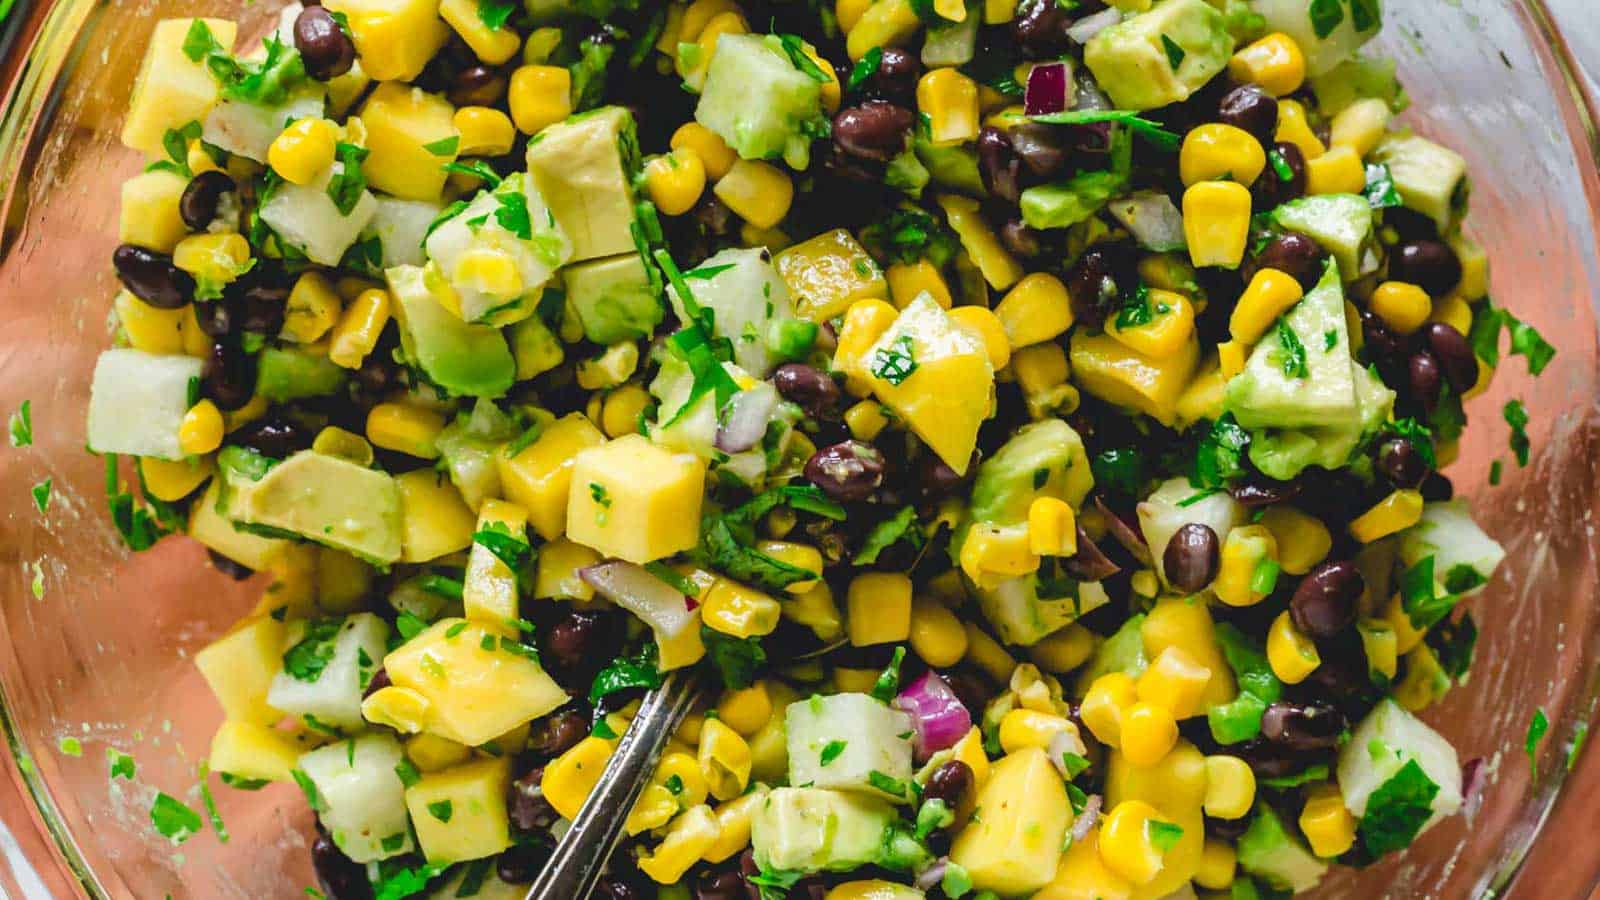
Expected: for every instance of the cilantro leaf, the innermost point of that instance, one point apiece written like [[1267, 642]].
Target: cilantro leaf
[[830, 752], [1220, 455], [1397, 810], [172, 819], [21, 425], [638, 670], [1292, 352], [1151, 131], [266, 82], [896, 362], [795, 47], [887, 533], [306, 660], [495, 14], [737, 660], [888, 683], [346, 186], [864, 68], [199, 42], [122, 765], [1163, 835], [1516, 416], [1326, 15], [41, 495], [1538, 727], [1175, 53], [512, 215], [1380, 191]]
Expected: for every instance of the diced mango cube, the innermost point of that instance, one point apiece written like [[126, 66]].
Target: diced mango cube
[[172, 90], [480, 683], [537, 478], [1176, 787], [239, 668], [557, 576], [635, 501], [150, 211], [434, 519], [432, 753], [402, 121], [490, 589], [1082, 876], [460, 813], [1013, 845], [828, 273], [1121, 376], [394, 38], [253, 752]]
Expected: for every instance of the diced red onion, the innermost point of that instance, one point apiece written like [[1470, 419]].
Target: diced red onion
[[938, 717], [1126, 535], [1474, 779], [1090, 563], [1153, 220], [633, 588], [1047, 89], [746, 421], [1087, 27], [1087, 818], [929, 878]]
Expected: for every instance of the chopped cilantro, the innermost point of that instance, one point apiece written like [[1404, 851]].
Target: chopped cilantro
[[41, 495], [1144, 128], [495, 13], [887, 783], [864, 68], [1538, 727], [896, 362], [1517, 417], [888, 683], [444, 146], [513, 215], [266, 82], [1380, 190], [409, 625], [1292, 353], [441, 810], [70, 746], [637, 671], [1163, 835], [122, 765], [172, 819], [887, 533], [407, 771], [22, 425], [1220, 455], [830, 752], [311, 654], [475, 168], [796, 50], [1397, 810], [736, 659], [1175, 53], [210, 803]]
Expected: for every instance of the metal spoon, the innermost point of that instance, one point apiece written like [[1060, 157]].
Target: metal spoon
[[581, 855]]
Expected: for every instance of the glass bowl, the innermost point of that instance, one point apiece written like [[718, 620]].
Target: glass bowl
[[96, 641]]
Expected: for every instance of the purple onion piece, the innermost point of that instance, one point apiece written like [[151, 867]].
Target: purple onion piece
[[929, 878], [938, 717], [1087, 818], [1126, 535], [1090, 563], [633, 588], [1047, 89], [748, 415]]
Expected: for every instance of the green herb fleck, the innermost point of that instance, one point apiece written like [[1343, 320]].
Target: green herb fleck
[[172, 819]]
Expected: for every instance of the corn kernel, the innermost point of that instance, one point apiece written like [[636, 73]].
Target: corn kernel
[[485, 131], [1303, 541], [683, 766], [173, 480], [1231, 357], [570, 778], [218, 258], [950, 101], [1064, 650], [1148, 733], [200, 432], [1218, 862], [1274, 63], [886, 23], [1176, 681], [715, 154], [359, 328], [1291, 654], [991, 553], [1406, 635], [984, 325], [801, 556], [1040, 367], [620, 411], [936, 633], [909, 280], [1361, 125], [1103, 705], [675, 181], [1425, 681], [1230, 787], [405, 429], [1216, 223], [1403, 307], [866, 420], [158, 331], [965, 216], [1339, 171], [728, 22], [986, 653], [1249, 556], [1166, 334], [1454, 311], [611, 368], [1380, 645], [304, 150], [539, 96], [698, 14], [1036, 309], [878, 608], [1329, 827], [1125, 845], [311, 310], [1269, 295], [747, 710], [1474, 285], [1394, 513], [1214, 151], [849, 12], [724, 759], [690, 835], [743, 612], [1006, 117], [491, 45], [1021, 728], [757, 192], [199, 159], [1052, 527], [1145, 583], [1293, 128]]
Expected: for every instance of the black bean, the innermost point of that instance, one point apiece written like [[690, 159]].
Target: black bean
[[1293, 253], [1268, 759], [1271, 189], [477, 86], [1410, 224], [873, 130], [814, 391], [949, 783], [728, 885], [1251, 109], [999, 165], [969, 688], [341, 877], [1228, 829], [272, 436], [1093, 285], [557, 733], [1254, 491], [1381, 343], [324, 47], [613, 888], [1430, 265], [152, 277], [1020, 239], [236, 570], [1041, 30], [1043, 149], [1436, 488], [570, 640], [522, 863], [1397, 459], [1454, 354], [228, 376], [1191, 557], [200, 200], [847, 471], [898, 71], [379, 681], [526, 805], [936, 478], [1311, 726], [1325, 601], [1425, 377]]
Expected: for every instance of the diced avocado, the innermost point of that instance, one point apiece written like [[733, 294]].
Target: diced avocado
[[1240, 720], [306, 218], [1026, 610], [362, 798], [1012, 843], [1358, 79], [499, 251], [1385, 741], [1283, 454], [171, 90], [137, 401], [401, 226], [1358, 22], [349, 652], [1043, 459], [850, 742], [1270, 852], [325, 499], [615, 298], [214, 530], [813, 829], [1177, 503], [1301, 373], [954, 166], [465, 359], [288, 373], [1431, 178], [1065, 204], [1244, 23], [248, 129], [1122, 652], [1462, 553], [468, 447], [748, 301], [1341, 224], [582, 167], [907, 174], [1160, 57], [755, 99]]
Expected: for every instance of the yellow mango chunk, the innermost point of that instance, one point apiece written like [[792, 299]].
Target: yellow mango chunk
[[477, 682], [1175, 622], [253, 752], [150, 211], [434, 520], [1082, 876], [1176, 787], [949, 390], [489, 590], [1120, 375], [394, 38], [460, 813], [1012, 845], [538, 477], [239, 668], [401, 122], [432, 753], [635, 501], [172, 90], [828, 273]]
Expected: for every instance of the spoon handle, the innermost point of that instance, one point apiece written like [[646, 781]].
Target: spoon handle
[[581, 855]]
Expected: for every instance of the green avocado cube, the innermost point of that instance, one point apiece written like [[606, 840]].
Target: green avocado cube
[[615, 298], [755, 99], [814, 829], [464, 359], [1299, 374], [1160, 57], [1341, 224], [582, 168]]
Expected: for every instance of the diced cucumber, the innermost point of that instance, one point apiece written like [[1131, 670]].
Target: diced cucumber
[[952, 166], [248, 129], [351, 652], [363, 802], [288, 373], [866, 744], [512, 220], [1271, 852], [1431, 178], [745, 295], [1385, 741], [1164, 512], [137, 401], [1293, 17], [1341, 224], [755, 99], [306, 218], [1357, 79], [1462, 553], [401, 226], [952, 43], [811, 829], [464, 359], [1022, 617]]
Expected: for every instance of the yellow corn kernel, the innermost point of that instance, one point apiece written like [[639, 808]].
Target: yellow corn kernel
[[1291, 654], [758, 192], [215, 257], [1394, 513], [1474, 285], [1125, 845], [1406, 635], [986, 653], [1361, 125], [200, 432], [619, 414], [1218, 862], [683, 766], [1246, 551], [936, 633], [1052, 527], [746, 711], [689, 836], [801, 556], [350, 287], [359, 328], [983, 324], [1403, 307], [199, 159], [304, 150], [734, 609], [1176, 681], [655, 807], [491, 45], [158, 331], [992, 553], [402, 709], [1215, 150], [733, 823], [849, 12], [1293, 128], [724, 759], [1380, 644], [1168, 331], [1339, 171], [1040, 367], [726, 22], [405, 429], [715, 154], [908, 280], [1329, 827], [1021, 728], [878, 608], [1425, 681], [965, 217], [1103, 705], [866, 420], [700, 13], [886, 23], [1036, 309], [570, 777], [539, 96], [1216, 223], [1231, 357], [311, 310], [675, 181], [1303, 541], [832, 90], [1230, 787], [1145, 583], [1274, 63], [485, 131], [950, 101], [611, 368], [1064, 650], [1269, 295], [1454, 311], [1148, 733], [172, 480]]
